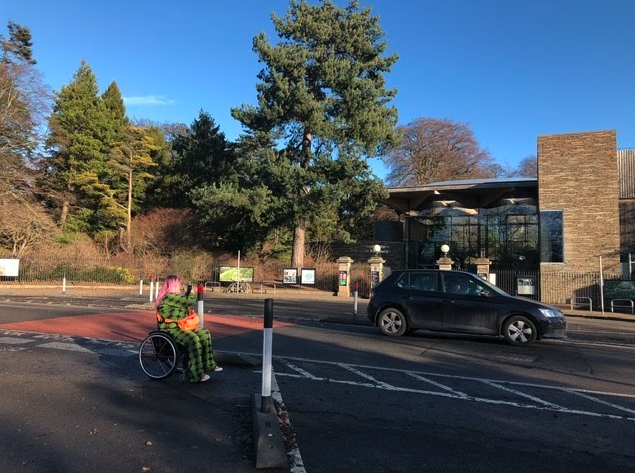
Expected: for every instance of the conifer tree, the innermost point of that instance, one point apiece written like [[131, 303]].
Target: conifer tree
[[79, 127], [133, 158], [200, 155], [18, 47], [239, 210], [322, 93]]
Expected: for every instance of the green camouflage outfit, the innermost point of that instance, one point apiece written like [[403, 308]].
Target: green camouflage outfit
[[198, 343]]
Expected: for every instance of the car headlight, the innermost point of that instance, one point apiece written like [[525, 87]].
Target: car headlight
[[550, 312]]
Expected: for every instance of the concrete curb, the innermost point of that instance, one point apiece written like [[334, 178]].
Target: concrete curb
[[268, 441]]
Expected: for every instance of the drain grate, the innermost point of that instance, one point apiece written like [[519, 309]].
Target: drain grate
[[518, 357]]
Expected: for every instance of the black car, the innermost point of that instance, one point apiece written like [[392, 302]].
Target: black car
[[457, 301]]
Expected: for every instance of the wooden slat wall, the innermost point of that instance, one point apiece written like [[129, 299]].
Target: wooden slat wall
[[626, 173]]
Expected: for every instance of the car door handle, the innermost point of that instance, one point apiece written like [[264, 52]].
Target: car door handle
[[448, 301]]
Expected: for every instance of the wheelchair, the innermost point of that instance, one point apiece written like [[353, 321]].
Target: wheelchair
[[160, 355]]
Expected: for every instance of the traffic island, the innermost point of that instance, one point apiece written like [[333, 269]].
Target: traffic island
[[268, 441]]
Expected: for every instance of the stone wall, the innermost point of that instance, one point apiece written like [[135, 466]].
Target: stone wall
[[577, 174], [391, 251]]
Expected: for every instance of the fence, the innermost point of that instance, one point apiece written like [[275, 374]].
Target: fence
[[507, 280], [566, 288], [553, 287], [120, 271], [570, 287]]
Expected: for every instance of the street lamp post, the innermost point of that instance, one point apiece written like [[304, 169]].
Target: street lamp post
[[445, 263]]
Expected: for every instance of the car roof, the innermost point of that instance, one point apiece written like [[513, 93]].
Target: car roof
[[450, 271]]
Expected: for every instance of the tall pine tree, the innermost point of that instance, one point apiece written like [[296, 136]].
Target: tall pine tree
[[200, 155], [18, 46], [79, 134], [323, 92]]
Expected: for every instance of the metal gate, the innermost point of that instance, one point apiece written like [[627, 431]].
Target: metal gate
[[524, 283]]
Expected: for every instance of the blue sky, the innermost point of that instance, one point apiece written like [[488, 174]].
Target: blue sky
[[510, 69]]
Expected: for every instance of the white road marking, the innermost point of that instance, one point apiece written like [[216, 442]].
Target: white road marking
[[14, 340], [448, 392], [364, 375], [522, 394], [304, 373], [434, 383], [65, 346], [114, 348], [64, 342], [599, 401]]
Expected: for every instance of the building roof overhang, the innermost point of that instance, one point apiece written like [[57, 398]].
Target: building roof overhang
[[473, 194]]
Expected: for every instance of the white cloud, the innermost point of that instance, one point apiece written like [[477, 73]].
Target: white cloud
[[148, 100]]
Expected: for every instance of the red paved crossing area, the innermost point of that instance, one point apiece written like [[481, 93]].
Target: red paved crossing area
[[130, 326]]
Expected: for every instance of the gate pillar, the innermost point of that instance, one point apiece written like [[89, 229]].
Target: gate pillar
[[343, 281]]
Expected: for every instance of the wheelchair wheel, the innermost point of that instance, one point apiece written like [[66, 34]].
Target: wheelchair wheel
[[158, 355]]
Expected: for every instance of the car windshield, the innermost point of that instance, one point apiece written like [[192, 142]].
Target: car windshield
[[483, 284]]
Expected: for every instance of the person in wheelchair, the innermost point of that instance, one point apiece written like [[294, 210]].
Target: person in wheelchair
[[175, 317]]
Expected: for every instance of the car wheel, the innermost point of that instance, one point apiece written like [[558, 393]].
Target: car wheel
[[392, 322], [519, 330]]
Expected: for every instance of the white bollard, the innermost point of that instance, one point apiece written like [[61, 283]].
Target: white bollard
[[199, 305], [265, 403], [355, 302]]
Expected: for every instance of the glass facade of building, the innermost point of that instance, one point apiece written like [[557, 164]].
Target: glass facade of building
[[507, 235], [551, 236]]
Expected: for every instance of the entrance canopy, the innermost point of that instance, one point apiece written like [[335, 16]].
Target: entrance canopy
[[468, 194]]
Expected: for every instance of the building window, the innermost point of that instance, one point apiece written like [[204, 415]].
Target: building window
[[551, 236], [507, 235]]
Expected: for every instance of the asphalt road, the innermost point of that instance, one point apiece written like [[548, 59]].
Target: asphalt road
[[349, 399]]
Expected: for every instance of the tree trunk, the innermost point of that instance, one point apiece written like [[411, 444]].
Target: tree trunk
[[129, 222], [64, 214], [297, 251]]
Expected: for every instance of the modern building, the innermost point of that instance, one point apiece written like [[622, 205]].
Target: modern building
[[574, 220]]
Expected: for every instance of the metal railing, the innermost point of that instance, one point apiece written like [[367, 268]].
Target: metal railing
[[555, 287], [577, 301], [622, 304]]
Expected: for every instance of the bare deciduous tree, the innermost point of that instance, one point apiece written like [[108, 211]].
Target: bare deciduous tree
[[434, 150], [528, 167], [24, 103], [24, 227], [164, 231]]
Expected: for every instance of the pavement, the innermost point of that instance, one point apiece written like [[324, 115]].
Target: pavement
[[230, 397]]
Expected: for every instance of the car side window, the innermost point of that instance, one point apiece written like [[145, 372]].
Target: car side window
[[423, 281], [476, 287], [417, 281], [456, 284], [403, 282]]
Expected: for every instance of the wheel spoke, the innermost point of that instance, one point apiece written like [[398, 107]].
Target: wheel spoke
[[157, 356], [520, 331], [392, 322]]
